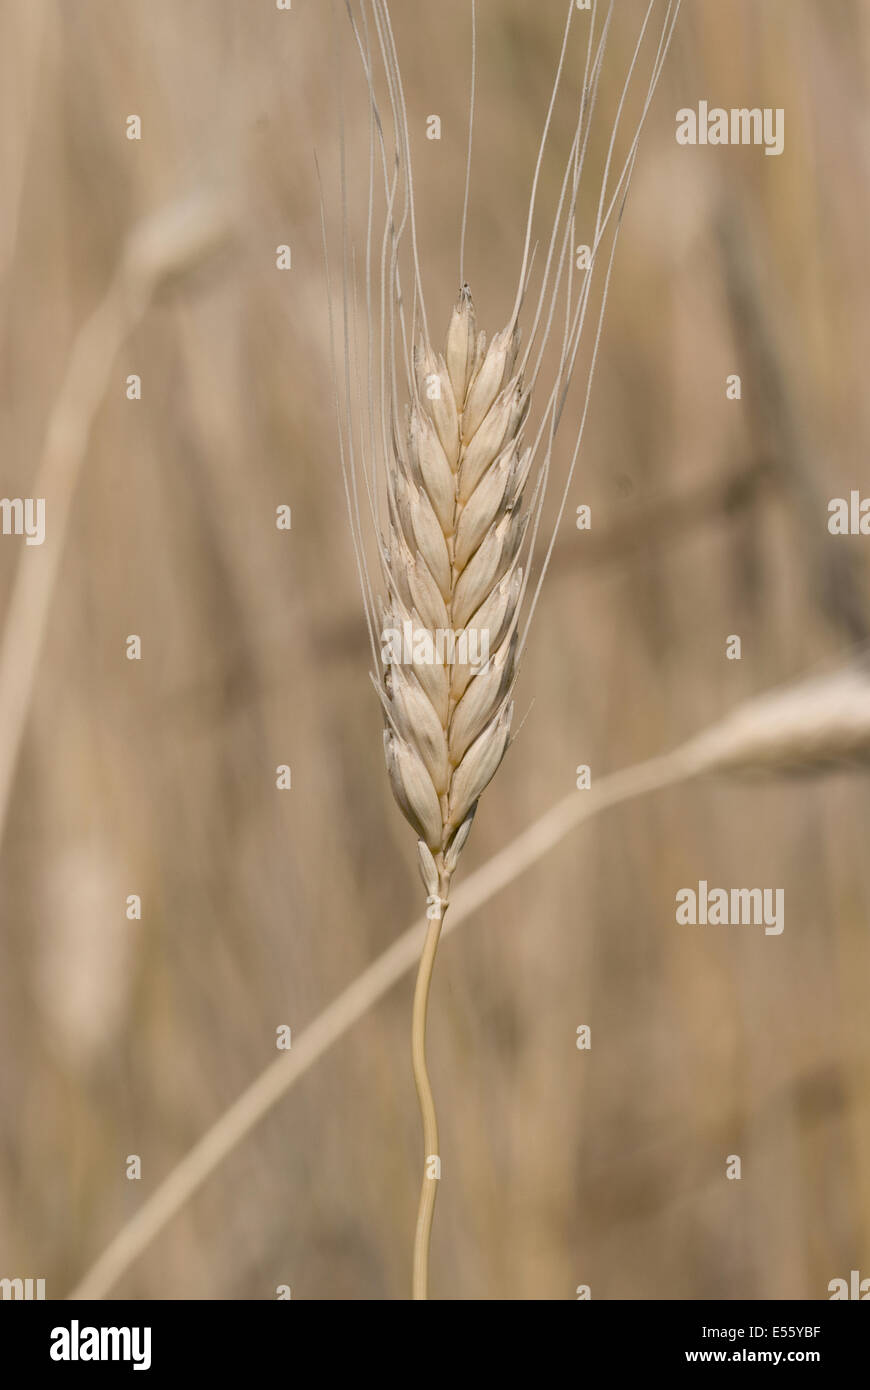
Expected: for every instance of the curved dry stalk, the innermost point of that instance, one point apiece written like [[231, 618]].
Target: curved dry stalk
[[813, 725], [188, 1176], [167, 244]]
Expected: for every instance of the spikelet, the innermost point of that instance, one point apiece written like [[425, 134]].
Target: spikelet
[[456, 523]]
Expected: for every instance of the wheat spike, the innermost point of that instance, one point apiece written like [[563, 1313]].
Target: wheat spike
[[456, 525], [440, 493]]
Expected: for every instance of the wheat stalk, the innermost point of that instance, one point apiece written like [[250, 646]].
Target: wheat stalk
[[440, 482], [456, 525]]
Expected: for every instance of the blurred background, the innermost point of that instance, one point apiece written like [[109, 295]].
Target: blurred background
[[157, 777]]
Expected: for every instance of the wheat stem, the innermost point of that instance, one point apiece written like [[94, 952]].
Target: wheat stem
[[429, 1184]]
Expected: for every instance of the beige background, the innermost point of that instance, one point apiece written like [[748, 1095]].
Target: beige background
[[157, 777]]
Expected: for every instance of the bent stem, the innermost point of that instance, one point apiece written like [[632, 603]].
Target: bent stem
[[431, 1158]]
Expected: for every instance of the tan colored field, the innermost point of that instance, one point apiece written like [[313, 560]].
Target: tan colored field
[[157, 777]]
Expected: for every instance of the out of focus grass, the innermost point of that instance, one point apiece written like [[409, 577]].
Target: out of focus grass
[[158, 777]]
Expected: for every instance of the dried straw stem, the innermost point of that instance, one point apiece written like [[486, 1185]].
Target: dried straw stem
[[431, 1148], [168, 244]]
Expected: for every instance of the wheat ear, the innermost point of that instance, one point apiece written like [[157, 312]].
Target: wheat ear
[[456, 525], [440, 492]]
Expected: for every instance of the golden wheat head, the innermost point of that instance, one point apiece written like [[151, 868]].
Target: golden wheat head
[[456, 525]]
